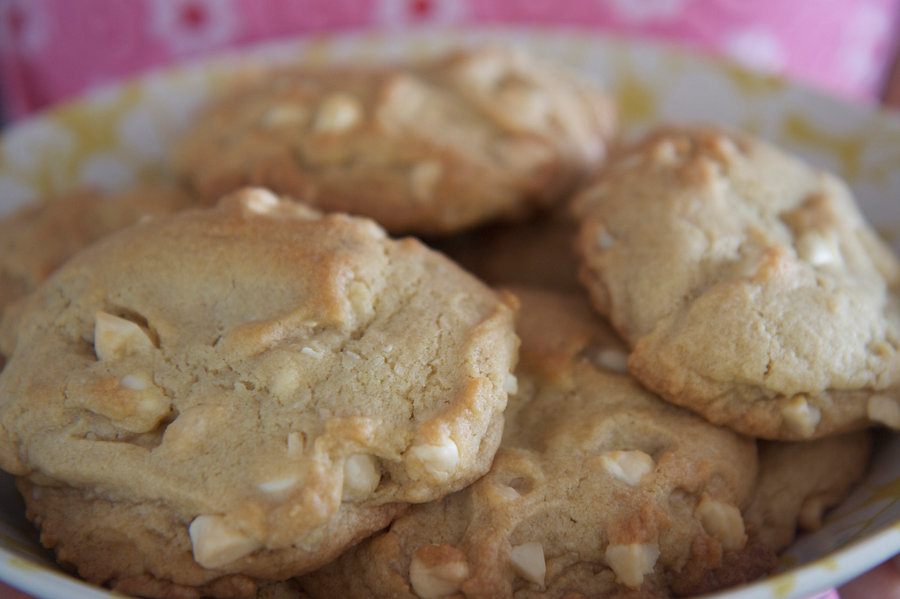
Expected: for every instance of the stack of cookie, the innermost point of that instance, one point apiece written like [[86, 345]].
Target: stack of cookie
[[642, 391]]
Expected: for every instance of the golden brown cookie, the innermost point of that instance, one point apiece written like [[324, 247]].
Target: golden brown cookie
[[218, 397], [36, 239], [538, 252], [800, 480], [427, 148], [747, 283], [600, 489]]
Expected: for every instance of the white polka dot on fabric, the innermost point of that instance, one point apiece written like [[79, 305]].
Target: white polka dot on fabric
[[190, 26], [757, 48], [646, 10]]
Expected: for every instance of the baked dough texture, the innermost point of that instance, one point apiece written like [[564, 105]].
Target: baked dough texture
[[600, 489], [800, 480], [537, 252], [221, 397], [747, 284], [36, 239], [425, 148]]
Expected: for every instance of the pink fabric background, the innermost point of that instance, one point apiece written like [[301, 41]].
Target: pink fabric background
[[51, 50]]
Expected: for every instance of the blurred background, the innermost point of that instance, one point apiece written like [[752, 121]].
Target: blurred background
[[51, 50]]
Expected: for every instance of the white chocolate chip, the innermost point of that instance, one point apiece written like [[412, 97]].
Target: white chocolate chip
[[405, 98], [361, 298], [722, 521], [481, 71], [725, 146], [632, 562], [507, 492], [116, 337], [134, 382], [816, 249], [277, 485], [337, 113], [612, 359], [136, 406], [800, 417], [720, 186], [438, 460], [627, 466], [285, 381], [423, 177], [665, 152], [296, 444], [603, 240], [259, 200], [308, 351], [216, 543], [284, 115], [529, 563], [884, 409], [151, 408], [361, 477], [437, 570], [525, 106], [510, 384], [192, 427]]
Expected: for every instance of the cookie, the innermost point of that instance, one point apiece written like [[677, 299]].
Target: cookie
[[427, 148], [537, 252], [756, 295], [800, 480], [36, 239], [600, 489], [226, 396]]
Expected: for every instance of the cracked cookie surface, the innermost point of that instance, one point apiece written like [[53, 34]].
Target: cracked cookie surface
[[600, 489], [427, 148], [36, 239], [747, 283], [231, 395]]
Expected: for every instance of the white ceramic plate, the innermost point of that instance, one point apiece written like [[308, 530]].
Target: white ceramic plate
[[121, 134]]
